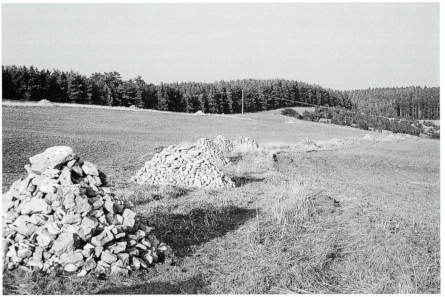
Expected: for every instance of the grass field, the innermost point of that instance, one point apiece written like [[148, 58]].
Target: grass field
[[362, 218]]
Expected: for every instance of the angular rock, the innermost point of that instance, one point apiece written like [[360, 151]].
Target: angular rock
[[72, 219], [118, 247], [24, 253], [98, 251], [70, 268], [66, 242], [71, 257], [90, 264], [65, 177], [38, 219], [129, 218], [44, 240], [116, 270], [109, 205], [90, 169], [108, 257], [83, 272]]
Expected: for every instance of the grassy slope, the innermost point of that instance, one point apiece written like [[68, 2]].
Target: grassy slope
[[363, 219]]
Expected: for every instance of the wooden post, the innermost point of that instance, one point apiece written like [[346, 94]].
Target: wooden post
[[242, 101]]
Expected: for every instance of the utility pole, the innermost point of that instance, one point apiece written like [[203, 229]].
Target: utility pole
[[242, 101]]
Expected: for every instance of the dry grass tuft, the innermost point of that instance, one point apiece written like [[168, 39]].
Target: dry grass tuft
[[293, 204]]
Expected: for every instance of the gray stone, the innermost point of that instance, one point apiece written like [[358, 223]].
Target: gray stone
[[125, 258], [7, 202], [38, 254], [90, 264], [72, 219], [98, 204], [90, 169], [70, 268], [57, 155], [136, 263], [10, 217], [48, 188], [65, 177], [24, 253], [108, 257], [148, 258], [98, 251], [69, 201], [86, 253], [27, 229], [51, 158], [116, 270], [66, 242], [71, 163], [129, 218], [77, 170], [89, 222], [82, 205], [109, 205], [71, 258], [38, 219], [44, 240], [24, 183], [139, 235], [118, 247]]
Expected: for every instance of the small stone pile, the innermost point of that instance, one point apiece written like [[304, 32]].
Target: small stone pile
[[211, 151], [223, 143], [245, 141], [369, 137], [62, 216], [186, 166], [307, 142], [44, 102]]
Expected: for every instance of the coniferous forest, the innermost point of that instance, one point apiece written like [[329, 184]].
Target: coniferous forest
[[32, 84]]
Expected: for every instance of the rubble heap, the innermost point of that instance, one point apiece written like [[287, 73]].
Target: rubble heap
[[186, 166], [211, 152], [307, 142], [63, 217], [245, 141], [223, 143], [44, 102]]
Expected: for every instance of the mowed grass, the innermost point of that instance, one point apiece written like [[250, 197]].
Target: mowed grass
[[359, 220]]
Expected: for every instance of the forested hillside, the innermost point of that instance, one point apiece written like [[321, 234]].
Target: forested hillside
[[31, 84]]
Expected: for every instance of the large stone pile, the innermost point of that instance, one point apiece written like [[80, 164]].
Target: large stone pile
[[223, 143], [62, 216], [211, 152], [186, 166]]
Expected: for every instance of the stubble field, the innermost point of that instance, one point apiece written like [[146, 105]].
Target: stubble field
[[359, 218]]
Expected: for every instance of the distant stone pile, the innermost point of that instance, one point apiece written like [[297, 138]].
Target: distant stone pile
[[194, 165], [308, 143], [62, 216], [44, 102], [186, 166]]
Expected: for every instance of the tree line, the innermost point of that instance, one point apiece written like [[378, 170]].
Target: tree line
[[31, 84]]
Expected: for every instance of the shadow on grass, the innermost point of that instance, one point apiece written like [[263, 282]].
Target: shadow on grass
[[183, 233], [190, 286]]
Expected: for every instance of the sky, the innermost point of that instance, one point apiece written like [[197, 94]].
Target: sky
[[340, 46]]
